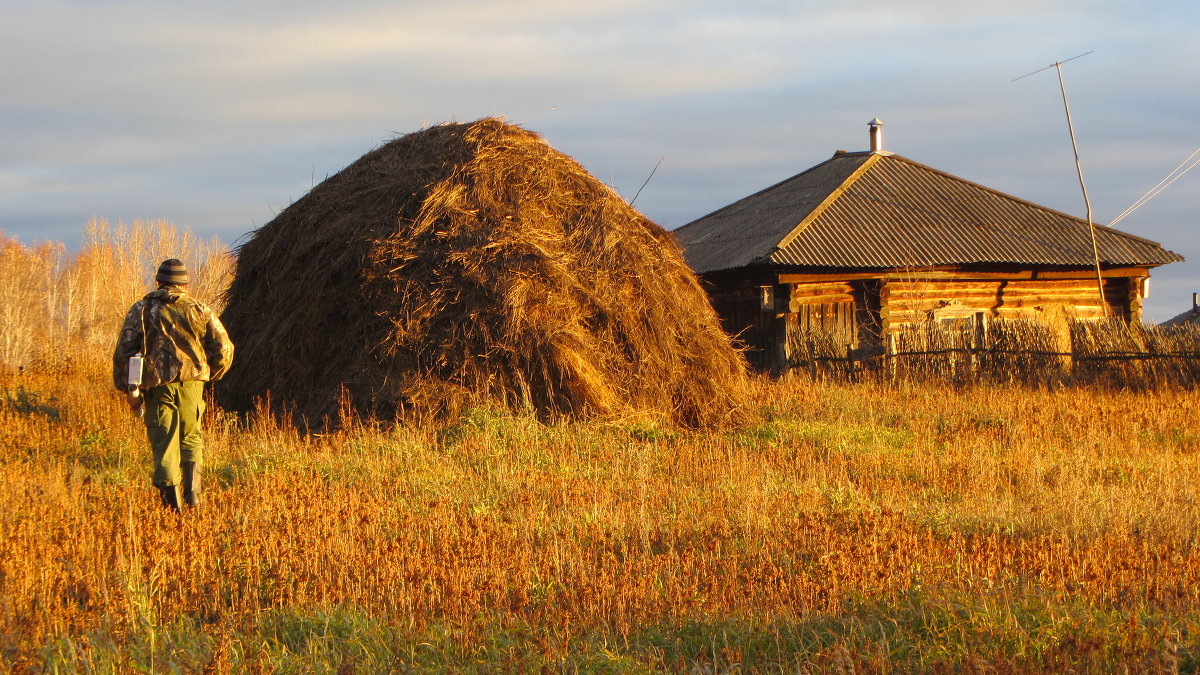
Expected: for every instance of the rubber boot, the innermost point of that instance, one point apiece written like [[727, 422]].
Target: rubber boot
[[172, 497], [191, 483]]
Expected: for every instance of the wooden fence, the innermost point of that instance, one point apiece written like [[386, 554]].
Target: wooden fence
[[1109, 352]]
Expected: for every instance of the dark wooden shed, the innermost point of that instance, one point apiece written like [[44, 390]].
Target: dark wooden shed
[[867, 242]]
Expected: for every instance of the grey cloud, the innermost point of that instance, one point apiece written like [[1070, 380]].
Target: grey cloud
[[216, 115]]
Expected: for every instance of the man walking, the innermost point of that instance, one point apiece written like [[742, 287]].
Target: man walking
[[183, 345]]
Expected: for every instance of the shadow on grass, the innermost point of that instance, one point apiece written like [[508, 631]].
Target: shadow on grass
[[913, 632], [28, 402]]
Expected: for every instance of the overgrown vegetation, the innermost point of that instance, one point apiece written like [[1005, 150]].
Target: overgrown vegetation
[[1065, 351], [854, 525], [868, 526]]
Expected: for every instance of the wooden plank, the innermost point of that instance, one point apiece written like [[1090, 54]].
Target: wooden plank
[[1033, 303], [844, 296], [817, 278], [1079, 311], [947, 273], [990, 286], [1043, 300], [1116, 272], [983, 293], [820, 300], [899, 317], [821, 288], [991, 299]]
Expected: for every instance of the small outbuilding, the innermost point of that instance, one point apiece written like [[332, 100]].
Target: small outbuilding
[[1189, 317], [866, 243]]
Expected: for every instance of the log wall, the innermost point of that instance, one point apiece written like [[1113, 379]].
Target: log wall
[[908, 301], [827, 307], [778, 319]]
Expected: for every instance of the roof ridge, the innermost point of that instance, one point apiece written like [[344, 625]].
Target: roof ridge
[[770, 187], [833, 196], [863, 207]]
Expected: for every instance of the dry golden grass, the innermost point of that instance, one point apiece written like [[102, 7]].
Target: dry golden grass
[[847, 526], [1008, 528]]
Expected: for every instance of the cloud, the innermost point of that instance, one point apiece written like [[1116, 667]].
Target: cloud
[[218, 114]]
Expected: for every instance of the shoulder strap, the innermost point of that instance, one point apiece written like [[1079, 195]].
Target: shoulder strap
[[145, 301]]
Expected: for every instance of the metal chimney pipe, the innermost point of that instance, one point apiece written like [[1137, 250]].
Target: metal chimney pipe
[[876, 129]]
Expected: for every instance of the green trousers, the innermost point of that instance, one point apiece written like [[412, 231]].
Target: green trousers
[[173, 413]]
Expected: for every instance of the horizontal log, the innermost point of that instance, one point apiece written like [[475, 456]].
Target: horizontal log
[[983, 300], [896, 318], [824, 287], [1044, 300], [938, 274], [1078, 312], [990, 304], [993, 286], [980, 298], [831, 299]]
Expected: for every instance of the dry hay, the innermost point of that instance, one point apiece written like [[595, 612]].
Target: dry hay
[[473, 265]]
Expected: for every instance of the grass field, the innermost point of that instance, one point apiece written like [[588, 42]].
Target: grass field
[[848, 527]]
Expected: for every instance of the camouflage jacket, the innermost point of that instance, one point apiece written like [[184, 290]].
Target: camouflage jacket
[[181, 338]]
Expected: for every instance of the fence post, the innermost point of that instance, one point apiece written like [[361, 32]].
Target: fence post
[[812, 358], [978, 335], [889, 356]]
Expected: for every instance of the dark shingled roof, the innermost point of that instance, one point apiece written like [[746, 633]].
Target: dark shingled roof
[[881, 211], [1189, 317]]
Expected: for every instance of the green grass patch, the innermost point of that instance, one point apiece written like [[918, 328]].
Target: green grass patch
[[1002, 627]]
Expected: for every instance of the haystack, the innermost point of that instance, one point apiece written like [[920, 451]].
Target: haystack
[[472, 265]]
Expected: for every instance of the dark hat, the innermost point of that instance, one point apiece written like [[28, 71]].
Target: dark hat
[[172, 272]]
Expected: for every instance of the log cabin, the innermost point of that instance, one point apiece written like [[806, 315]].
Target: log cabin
[[866, 243]]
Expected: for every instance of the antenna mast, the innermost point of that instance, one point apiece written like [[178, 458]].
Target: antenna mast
[[1057, 65]]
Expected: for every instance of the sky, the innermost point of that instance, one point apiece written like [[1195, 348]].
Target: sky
[[215, 116]]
